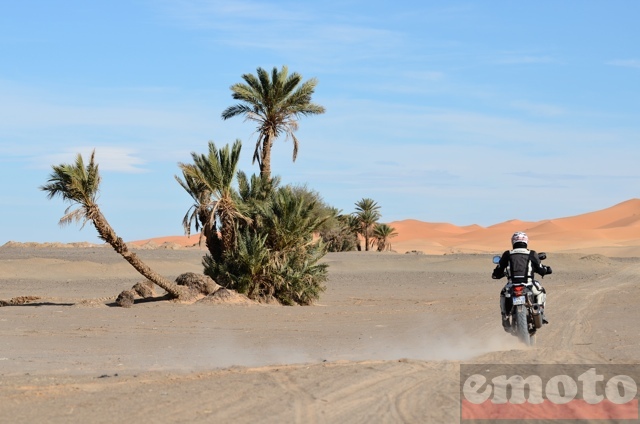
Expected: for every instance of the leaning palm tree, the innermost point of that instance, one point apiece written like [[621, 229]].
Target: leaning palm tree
[[79, 185], [214, 174], [382, 233], [275, 103], [367, 213]]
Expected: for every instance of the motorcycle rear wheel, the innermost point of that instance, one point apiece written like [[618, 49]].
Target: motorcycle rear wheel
[[522, 328]]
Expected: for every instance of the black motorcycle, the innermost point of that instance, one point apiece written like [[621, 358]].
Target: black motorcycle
[[523, 311]]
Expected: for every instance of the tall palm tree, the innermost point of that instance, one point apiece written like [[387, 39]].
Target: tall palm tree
[[79, 185], [368, 214], [275, 103], [214, 174], [382, 233]]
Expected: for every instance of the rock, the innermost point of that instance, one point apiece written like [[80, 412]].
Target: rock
[[125, 299], [227, 296], [144, 289], [414, 252], [198, 283]]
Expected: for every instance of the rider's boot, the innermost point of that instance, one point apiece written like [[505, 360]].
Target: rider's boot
[[544, 318], [541, 299]]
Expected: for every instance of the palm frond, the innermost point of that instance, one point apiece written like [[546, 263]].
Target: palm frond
[[76, 183], [236, 110], [273, 102], [77, 215]]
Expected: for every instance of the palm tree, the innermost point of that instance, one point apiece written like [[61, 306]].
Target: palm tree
[[353, 225], [275, 103], [276, 255], [291, 220], [200, 213], [367, 213], [382, 233], [212, 176], [79, 184], [338, 233]]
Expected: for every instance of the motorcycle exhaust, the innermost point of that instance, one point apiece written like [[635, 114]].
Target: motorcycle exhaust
[[537, 318]]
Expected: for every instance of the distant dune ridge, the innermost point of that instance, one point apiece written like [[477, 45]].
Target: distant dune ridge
[[614, 231]]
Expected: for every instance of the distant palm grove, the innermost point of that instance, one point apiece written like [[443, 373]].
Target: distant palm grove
[[264, 239]]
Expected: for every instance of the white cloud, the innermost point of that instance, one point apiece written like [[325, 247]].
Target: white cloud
[[215, 14], [539, 108], [312, 35], [520, 59], [108, 158], [26, 106], [34, 112], [47, 121], [627, 63]]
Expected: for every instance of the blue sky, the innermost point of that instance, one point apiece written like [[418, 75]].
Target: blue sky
[[463, 112]]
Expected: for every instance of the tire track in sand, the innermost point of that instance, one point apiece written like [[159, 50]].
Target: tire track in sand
[[580, 306]]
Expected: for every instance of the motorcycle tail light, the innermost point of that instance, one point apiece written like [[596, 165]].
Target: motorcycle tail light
[[518, 290]]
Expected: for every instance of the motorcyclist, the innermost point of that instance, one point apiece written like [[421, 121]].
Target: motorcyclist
[[522, 264]]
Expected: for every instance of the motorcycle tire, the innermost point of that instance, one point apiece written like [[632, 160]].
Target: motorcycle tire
[[522, 328]]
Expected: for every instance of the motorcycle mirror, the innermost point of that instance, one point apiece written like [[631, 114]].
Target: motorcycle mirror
[[542, 256], [496, 259]]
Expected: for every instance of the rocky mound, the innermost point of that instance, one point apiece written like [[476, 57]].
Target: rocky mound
[[225, 296]]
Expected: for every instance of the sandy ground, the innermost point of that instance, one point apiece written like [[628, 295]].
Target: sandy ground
[[383, 344]]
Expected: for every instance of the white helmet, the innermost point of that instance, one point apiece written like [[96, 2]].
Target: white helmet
[[519, 237]]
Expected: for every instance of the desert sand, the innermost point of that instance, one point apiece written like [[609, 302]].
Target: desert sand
[[384, 343]]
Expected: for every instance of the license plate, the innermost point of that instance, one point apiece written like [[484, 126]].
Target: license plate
[[520, 300]]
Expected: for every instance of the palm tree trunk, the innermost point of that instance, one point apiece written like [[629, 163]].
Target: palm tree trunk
[[214, 246], [265, 165], [366, 239], [212, 241], [227, 233], [108, 234]]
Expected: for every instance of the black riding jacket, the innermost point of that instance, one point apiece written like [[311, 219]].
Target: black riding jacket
[[522, 264]]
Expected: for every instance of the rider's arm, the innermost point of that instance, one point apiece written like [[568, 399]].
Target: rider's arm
[[537, 265], [504, 260], [498, 271]]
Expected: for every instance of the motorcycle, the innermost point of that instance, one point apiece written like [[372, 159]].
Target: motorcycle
[[523, 311]]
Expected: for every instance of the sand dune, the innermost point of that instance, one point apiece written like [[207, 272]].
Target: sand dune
[[192, 240], [604, 217], [548, 226], [609, 229]]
